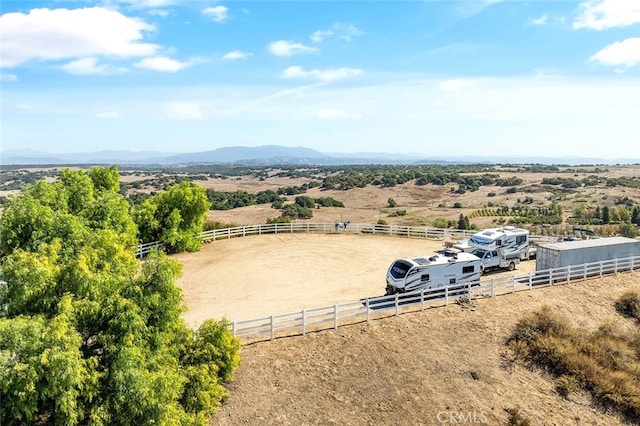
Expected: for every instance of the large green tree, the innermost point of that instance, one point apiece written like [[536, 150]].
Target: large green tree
[[174, 217], [88, 334]]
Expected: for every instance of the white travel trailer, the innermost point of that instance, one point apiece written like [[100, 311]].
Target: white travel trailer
[[430, 272], [508, 238]]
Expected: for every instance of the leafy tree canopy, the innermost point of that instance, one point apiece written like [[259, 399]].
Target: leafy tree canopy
[[174, 217], [88, 334]]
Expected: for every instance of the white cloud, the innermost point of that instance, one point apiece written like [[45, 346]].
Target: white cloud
[[626, 52], [161, 63], [603, 14], [320, 35], [286, 48], [335, 114], [46, 34], [217, 13], [86, 66], [160, 12], [184, 111], [542, 20], [108, 115], [8, 78], [457, 84], [327, 75], [235, 55], [339, 30]]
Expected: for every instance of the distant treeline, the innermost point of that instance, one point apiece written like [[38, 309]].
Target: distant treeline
[[468, 177]]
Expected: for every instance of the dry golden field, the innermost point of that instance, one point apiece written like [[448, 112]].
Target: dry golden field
[[447, 365]]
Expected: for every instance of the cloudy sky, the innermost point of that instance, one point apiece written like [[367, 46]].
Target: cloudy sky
[[434, 77]]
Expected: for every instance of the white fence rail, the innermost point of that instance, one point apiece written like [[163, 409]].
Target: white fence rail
[[323, 318], [295, 227], [301, 322]]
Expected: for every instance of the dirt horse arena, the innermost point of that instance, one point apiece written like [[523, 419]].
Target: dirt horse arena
[[262, 275]]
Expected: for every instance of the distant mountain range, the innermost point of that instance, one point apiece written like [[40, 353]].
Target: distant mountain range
[[268, 155]]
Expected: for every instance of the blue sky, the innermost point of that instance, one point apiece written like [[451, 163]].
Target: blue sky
[[436, 78]]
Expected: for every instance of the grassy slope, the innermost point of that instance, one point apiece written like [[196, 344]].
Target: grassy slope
[[413, 368]]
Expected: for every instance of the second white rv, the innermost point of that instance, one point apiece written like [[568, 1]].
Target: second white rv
[[508, 238], [434, 271]]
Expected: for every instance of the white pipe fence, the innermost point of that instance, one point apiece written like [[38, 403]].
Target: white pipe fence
[[333, 316], [295, 227]]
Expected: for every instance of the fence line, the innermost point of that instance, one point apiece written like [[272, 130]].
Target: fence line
[[333, 316], [294, 227]]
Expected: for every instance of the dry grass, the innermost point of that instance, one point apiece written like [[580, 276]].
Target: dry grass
[[411, 368], [449, 362], [605, 362], [629, 304]]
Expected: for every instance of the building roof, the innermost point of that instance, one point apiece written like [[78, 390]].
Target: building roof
[[596, 242]]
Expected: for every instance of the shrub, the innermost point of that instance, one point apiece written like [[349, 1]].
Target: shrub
[[515, 418], [305, 201], [279, 219], [604, 362], [398, 213], [441, 222], [629, 304], [211, 225], [566, 385]]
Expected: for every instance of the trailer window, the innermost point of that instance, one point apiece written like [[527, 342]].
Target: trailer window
[[399, 269], [521, 239], [467, 269], [498, 243], [452, 281], [424, 278]]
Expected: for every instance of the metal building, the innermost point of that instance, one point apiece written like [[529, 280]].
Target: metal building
[[558, 255]]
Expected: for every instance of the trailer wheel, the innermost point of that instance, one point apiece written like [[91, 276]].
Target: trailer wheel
[[512, 266]]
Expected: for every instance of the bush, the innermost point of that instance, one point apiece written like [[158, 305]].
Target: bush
[[328, 202], [603, 362], [304, 201], [441, 222], [296, 211], [566, 385], [211, 225], [398, 213], [279, 219], [515, 418], [629, 305]]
